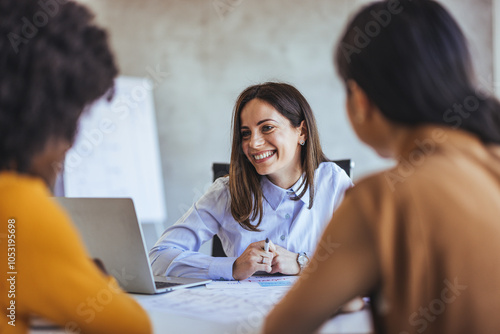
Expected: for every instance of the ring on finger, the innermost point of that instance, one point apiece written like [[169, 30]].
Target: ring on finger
[[263, 260]]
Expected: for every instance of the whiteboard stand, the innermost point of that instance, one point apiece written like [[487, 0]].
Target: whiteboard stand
[[116, 152]]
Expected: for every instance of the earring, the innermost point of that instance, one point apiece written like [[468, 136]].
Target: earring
[[302, 142]]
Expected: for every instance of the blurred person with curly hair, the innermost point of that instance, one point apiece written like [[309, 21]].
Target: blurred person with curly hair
[[53, 63]]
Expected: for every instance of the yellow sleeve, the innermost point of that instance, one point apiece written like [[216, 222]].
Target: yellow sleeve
[[58, 281]]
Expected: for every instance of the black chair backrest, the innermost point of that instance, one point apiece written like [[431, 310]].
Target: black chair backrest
[[222, 169]]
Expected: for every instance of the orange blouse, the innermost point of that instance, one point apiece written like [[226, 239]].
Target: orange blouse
[[46, 271], [423, 239]]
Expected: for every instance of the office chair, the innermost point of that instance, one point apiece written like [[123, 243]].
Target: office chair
[[222, 169]]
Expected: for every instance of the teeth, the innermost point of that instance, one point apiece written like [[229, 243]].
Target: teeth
[[263, 155]]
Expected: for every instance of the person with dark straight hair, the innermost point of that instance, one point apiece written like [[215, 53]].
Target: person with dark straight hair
[[49, 73], [422, 239], [244, 177], [280, 187]]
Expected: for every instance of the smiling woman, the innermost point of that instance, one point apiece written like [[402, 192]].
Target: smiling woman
[[287, 121], [277, 170]]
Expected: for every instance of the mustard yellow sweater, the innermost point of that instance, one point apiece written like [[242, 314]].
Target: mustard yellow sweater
[[46, 271]]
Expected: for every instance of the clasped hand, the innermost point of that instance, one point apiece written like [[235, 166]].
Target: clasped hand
[[255, 258]]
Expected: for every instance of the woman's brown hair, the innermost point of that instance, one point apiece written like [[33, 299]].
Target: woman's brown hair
[[244, 181]]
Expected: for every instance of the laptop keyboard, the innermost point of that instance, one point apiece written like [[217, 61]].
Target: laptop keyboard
[[162, 285]]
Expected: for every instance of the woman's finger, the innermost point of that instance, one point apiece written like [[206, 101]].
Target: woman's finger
[[272, 247], [264, 267]]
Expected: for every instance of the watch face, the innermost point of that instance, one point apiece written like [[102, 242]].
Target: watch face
[[301, 259]]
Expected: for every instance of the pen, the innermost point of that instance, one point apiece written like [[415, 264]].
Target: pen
[[266, 246]]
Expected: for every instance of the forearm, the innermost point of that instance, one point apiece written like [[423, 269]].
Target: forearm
[[304, 307], [332, 278], [182, 263]]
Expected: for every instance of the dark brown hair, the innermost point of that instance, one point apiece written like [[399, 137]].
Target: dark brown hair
[[417, 69], [49, 71], [244, 181]]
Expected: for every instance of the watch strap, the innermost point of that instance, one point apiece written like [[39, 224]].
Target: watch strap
[[302, 260]]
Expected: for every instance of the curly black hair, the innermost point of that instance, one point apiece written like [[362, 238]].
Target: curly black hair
[[54, 61]]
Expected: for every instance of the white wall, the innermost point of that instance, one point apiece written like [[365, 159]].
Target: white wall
[[496, 45], [210, 50]]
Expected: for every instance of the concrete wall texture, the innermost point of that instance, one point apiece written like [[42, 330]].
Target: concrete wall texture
[[203, 53]]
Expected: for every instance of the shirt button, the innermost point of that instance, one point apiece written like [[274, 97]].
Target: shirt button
[[282, 237], [287, 216]]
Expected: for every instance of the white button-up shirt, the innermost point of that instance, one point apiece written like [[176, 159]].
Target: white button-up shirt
[[286, 222]]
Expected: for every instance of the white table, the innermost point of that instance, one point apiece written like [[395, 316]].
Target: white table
[[170, 320], [177, 320]]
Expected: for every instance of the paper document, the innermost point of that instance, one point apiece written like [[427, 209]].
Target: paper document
[[221, 305], [255, 282], [243, 303]]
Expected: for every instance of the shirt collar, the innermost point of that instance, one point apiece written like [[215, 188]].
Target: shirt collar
[[274, 195]]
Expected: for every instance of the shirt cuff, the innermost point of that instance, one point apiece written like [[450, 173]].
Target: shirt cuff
[[221, 268]]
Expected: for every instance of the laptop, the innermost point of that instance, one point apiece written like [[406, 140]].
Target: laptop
[[112, 233]]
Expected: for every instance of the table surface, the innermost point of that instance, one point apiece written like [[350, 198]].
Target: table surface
[[201, 310], [173, 320]]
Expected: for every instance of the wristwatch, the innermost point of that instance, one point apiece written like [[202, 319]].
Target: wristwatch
[[302, 260]]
